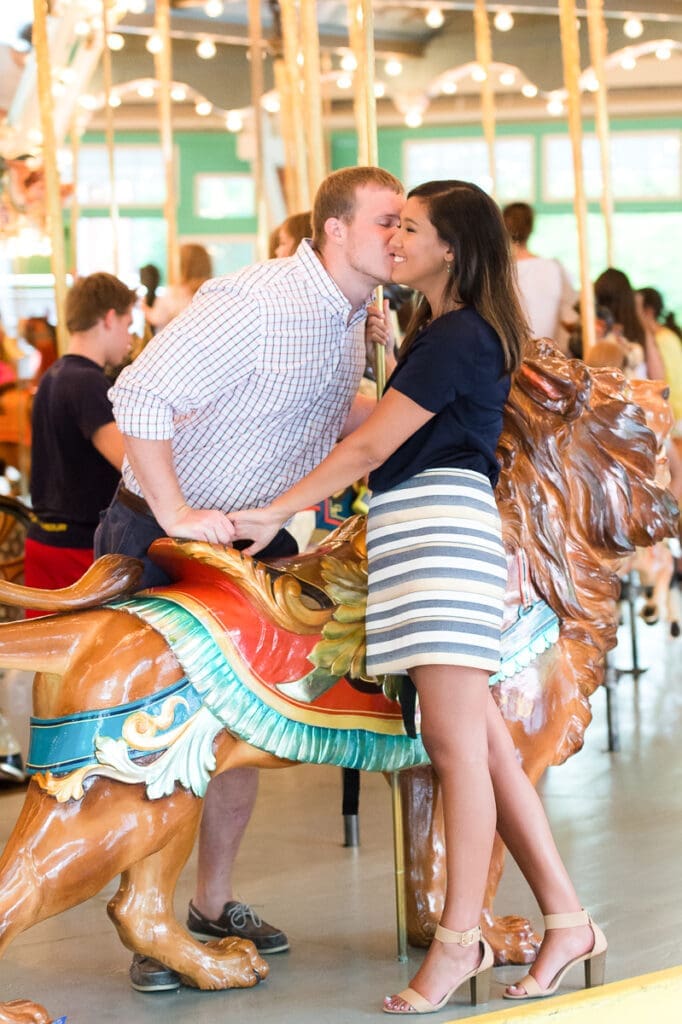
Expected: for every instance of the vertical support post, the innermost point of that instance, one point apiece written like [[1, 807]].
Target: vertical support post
[[109, 134], [312, 97], [596, 24], [75, 207], [257, 89], [570, 52], [162, 68], [54, 204], [290, 40], [399, 861], [484, 59]]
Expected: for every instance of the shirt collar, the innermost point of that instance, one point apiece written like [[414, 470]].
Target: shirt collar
[[325, 283]]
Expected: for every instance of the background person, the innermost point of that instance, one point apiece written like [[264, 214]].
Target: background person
[[77, 449], [195, 268], [547, 295], [437, 576]]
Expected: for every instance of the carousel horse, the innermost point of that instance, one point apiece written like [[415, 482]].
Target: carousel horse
[[140, 698]]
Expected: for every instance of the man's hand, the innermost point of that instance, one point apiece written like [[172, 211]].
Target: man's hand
[[198, 524], [258, 525]]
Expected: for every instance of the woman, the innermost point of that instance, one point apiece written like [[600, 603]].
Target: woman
[[291, 232], [195, 268], [437, 576]]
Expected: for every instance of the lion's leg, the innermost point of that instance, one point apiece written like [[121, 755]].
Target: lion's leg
[[142, 911], [424, 853], [22, 1011]]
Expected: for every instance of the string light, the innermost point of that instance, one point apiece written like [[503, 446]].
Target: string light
[[628, 62], [504, 21], [664, 52], [271, 103], [179, 93], [348, 62], [393, 67], [507, 78], [555, 106], [590, 83], [434, 17], [214, 8], [115, 41], [154, 44], [529, 90], [414, 118], [137, 6], [379, 90], [633, 28], [234, 121], [88, 102], [145, 90], [115, 101], [478, 73], [82, 28], [344, 81], [448, 87], [203, 108], [206, 49]]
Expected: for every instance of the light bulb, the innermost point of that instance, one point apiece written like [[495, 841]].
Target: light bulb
[[628, 62], [206, 49], [393, 67], [115, 41], [145, 90], [179, 93], [271, 103], [664, 52], [203, 108], [448, 88], [115, 100], [590, 83], [503, 21], [507, 78], [555, 106], [529, 90], [88, 102], [213, 8], [82, 28], [434, 17], [379, 90], [344, 81], [234, 121], [137, 6], [348, 62], [633, 28], [154, 44], [478, 73], [413, 118]]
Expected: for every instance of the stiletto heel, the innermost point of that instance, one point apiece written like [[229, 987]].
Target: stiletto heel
[[478, 978], [594, 959]]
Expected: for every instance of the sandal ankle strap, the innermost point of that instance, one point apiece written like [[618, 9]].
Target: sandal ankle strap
[[460, 938], [566, 920]]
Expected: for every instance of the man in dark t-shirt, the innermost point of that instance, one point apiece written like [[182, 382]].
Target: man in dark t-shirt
[[77, 449]]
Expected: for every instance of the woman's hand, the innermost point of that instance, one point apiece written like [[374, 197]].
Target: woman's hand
[[258, 525], [379, 331]]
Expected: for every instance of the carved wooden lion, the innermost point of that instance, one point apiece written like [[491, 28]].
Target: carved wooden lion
[[140, 700]]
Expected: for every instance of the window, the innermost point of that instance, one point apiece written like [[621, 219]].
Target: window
[[467, 159], [222, 196], [139, 171], [644, 165]]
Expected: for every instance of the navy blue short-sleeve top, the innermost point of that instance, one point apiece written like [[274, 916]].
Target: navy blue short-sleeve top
[[455, 369]]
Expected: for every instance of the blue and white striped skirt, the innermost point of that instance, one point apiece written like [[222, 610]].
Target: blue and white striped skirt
[[437, 573]]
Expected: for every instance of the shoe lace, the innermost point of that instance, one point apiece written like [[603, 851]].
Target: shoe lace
[[238, 916]]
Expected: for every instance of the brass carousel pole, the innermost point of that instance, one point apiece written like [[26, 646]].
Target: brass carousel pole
[[291, 42], [75, 207], [286, 121], [361, 34], [54, 206], [596, 24], [162, 67], [109, 133], [312, 97], [257, 89], [570, 52], [484, 59]]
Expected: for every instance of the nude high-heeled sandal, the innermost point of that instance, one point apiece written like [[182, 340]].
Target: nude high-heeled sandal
[[594, 959], [479, 978]]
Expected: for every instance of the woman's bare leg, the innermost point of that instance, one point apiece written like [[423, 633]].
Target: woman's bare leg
[[453, 703], [525, 831]]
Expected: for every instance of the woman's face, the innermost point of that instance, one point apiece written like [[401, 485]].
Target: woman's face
[[286, 245], [419, 257]]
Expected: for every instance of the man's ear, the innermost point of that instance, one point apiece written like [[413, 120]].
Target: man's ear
[[109, 318], [335, 230]]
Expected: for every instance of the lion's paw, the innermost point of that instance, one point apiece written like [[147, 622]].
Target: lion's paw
[[23, 1011], [513, 939]]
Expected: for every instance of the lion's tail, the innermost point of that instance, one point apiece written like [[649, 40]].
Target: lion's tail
[[108, 577], [38, 645]]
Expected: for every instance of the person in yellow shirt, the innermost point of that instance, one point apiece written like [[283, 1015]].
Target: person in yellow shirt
[[669, 341]]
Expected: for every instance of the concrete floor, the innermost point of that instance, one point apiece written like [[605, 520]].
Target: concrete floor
[[617, 818]]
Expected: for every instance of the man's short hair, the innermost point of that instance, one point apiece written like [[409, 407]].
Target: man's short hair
[[337, 194], [92, 297]]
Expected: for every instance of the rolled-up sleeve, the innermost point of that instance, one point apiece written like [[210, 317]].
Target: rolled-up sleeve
[[204, 351]]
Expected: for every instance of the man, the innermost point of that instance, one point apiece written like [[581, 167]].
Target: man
[[77, 449], [236, 399]]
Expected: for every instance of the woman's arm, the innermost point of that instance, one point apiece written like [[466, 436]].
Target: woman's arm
[[392, 422]]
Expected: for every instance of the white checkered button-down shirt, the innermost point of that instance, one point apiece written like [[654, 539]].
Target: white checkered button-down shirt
[[253, 382]]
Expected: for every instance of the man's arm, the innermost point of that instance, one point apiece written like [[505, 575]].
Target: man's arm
[[152, 465], [108, 441]]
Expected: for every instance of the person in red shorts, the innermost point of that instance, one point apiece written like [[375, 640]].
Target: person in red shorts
[[77, 449]]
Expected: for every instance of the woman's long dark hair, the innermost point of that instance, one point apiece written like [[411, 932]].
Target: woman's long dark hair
[[613, 290], [484, 274]]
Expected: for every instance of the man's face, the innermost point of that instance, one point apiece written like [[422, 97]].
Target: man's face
[[120, 340], [376, 217]]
